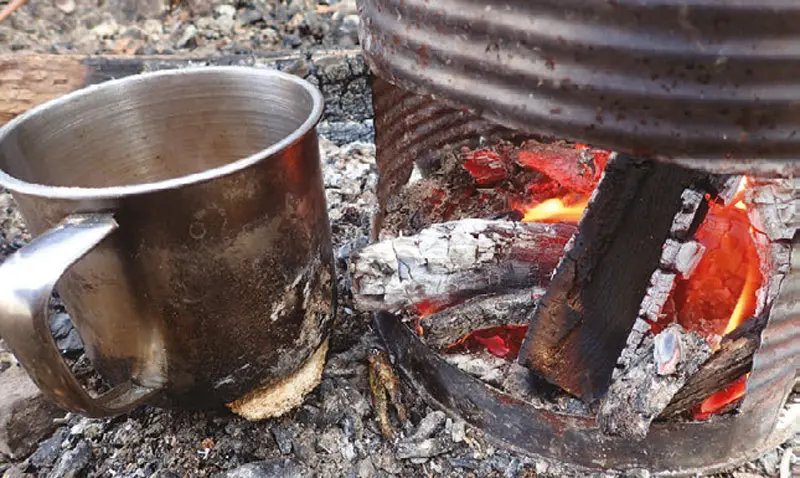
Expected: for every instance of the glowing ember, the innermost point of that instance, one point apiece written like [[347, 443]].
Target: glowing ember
[[555, 210], [572, 174], [721, 399], [502, 341], [720, 294], [424, 309], [576, 167], [487, 167]]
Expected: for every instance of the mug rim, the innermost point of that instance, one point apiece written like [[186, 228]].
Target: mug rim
[[17, 185]]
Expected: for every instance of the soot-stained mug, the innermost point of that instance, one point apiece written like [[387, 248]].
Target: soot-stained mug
[[181, 216]]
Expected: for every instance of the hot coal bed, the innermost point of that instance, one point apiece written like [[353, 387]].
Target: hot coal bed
[[604, 309]]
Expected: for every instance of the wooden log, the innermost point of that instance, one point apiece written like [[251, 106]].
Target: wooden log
[[454, 261], [446, 327], [662, 367], [29, 80], [582, 323], [733, 359]]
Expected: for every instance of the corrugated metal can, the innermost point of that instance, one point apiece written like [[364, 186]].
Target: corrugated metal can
[[707, 84]]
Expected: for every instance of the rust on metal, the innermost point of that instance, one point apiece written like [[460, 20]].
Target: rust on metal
[[777, 361], [711, 85], [412, 129]]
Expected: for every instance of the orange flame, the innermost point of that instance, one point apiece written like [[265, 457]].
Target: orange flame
[[555, 210], [738, 198], [746, 303]]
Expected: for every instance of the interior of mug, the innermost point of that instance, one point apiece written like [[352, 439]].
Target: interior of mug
[[157, 127]]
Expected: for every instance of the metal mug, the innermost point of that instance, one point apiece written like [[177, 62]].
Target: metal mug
[[181, 216]]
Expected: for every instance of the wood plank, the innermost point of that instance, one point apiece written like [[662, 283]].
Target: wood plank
[[582, 323], [31, 79]]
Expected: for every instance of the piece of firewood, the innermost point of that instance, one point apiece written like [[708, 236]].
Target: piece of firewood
[[454, 261], [446, 327], [582, 323], [733, 359], [29, 80], [677, 257], [664, 364]]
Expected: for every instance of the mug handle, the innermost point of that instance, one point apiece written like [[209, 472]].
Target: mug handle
[[27, 279]]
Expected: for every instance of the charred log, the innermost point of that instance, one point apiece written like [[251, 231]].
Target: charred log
[[448, 326], [581, 325], [731, 361], [454, 261], [664, 364]]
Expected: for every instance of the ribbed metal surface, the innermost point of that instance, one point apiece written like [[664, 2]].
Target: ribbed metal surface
[[777, 361], [716, 82], [417, 129]]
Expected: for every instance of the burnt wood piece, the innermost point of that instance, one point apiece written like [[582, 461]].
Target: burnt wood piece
[[29, 80], [662, 366], [688, 447], [582, 323], [453, 261], [446, 327], [733, 359]]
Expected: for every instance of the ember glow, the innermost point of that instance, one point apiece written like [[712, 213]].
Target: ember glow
[[555, 210], [502, 341], [722, 399], [571, 174], [426, 308], [721, 292]]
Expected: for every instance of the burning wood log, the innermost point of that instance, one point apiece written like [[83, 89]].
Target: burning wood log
[[448, 326], [731, 361], [581, 325], [663, 365], [453, 261], [729, 259], [677, 257]]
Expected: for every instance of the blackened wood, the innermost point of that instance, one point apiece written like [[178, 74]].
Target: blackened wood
[[581, 325], [733, 359], [451, 324], [451, 262]]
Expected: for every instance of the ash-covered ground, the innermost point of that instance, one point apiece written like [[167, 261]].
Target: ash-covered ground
[[336, 431]]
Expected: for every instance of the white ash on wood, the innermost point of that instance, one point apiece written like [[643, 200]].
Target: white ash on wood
[[662, 366], [453, 261], [733, 359], [678, 256], [773, 206], [652, 369]]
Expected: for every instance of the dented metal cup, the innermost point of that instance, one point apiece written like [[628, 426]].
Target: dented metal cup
[[181, 216]]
